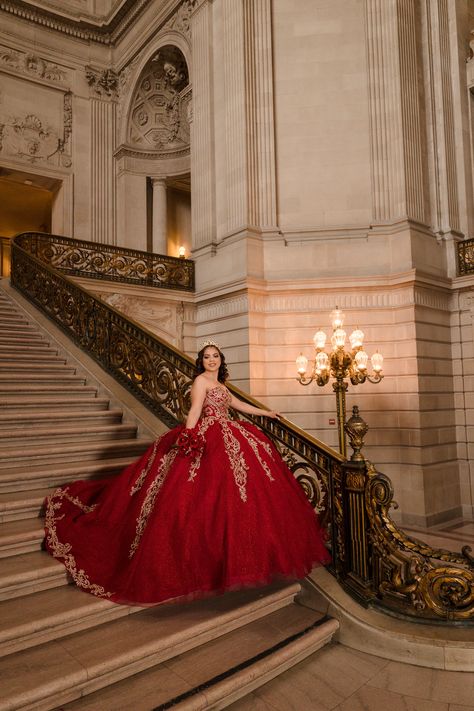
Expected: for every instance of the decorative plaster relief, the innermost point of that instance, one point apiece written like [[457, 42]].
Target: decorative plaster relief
[[164, 321], [181, 20], [103, 83], [43, 137], [31, 65]]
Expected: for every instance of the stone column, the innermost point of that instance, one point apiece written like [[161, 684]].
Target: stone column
[[159, 217]]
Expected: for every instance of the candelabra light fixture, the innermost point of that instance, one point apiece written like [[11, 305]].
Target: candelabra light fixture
[[340, 364]]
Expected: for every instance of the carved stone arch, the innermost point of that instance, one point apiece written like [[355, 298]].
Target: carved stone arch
[[174, 46]]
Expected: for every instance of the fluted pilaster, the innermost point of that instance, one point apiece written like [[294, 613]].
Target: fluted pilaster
[[394, 102], [202, 136], [445, 193], [260, 119], [103, 114]]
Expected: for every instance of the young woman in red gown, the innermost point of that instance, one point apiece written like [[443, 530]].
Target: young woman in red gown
[[210, 507]]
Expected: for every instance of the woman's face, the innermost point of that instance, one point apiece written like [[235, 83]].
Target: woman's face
[[211, 359]]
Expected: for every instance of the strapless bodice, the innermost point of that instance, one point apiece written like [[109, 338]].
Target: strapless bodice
[[217, 403]]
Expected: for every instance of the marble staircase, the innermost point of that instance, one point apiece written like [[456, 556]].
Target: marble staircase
[[64, 649]]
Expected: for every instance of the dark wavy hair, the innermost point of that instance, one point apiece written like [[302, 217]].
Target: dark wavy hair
[[223, 373]]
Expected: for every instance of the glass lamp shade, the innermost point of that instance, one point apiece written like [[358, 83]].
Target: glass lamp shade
[[338, 338], [361, 359], [337, 318], [357, 338], [302, 364], [377, 362], [322, 361], [319, 340], [182, 252]]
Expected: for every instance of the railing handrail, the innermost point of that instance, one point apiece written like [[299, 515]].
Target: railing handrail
[[136, 266]]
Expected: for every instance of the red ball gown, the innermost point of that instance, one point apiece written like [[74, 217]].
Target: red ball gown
[[184, 522]]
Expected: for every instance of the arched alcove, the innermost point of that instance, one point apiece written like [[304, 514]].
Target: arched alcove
[[153, 163], [158, 118]]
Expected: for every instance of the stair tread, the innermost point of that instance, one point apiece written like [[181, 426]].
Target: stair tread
[[71, 447], [38, 431], [221, 656], [28, 566], [49, 388], [35, 471], [24, 530], [42, 609], [134, 642], [16, 499], [61, 415]]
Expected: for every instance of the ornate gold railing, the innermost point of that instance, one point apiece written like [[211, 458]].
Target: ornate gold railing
[[372, 558], [465, 257], [104, 261]]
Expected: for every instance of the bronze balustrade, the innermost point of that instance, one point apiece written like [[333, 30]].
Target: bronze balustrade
[[373, 559], [465, 257], [104, 261]]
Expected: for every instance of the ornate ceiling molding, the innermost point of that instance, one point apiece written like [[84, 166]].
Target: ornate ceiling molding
[[106, 34]]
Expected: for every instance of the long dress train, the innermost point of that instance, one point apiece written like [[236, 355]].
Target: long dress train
[[184, 521]]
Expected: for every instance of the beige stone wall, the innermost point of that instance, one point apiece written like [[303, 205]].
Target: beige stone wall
[[330, 164]]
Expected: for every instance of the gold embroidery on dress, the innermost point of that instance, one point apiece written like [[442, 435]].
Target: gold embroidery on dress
[[144, 472], [252, 440], [78, 502], [204, 425], [148, 503], [236, 459], [63, 550]]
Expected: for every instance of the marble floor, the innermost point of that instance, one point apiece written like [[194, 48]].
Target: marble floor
[[341, 679], [452, 535]]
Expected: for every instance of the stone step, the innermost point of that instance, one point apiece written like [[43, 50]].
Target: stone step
[[15, 339], [80, 391], [217, 673], [7, 326], [50, 614], [83, 417], [54, 403], [31, 435], [16, 506], [81, 663], [58, 378], [46, 368], [21, 537], [52, 475], [31, 358], [66, 452], [8, 318], [25, 574], [29, 348]]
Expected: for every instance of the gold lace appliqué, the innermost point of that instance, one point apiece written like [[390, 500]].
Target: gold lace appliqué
[[63, 550], [149, 501], [144, 472], [253, 440], [236, 459]]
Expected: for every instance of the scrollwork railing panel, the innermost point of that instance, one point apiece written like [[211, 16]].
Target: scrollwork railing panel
[[104, 261], [465, 257]]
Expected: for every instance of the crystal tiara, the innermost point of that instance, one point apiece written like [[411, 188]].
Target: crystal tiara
[[205, 344]]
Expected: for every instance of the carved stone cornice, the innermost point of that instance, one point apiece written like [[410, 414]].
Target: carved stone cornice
[[106, 34], [126, 151]]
